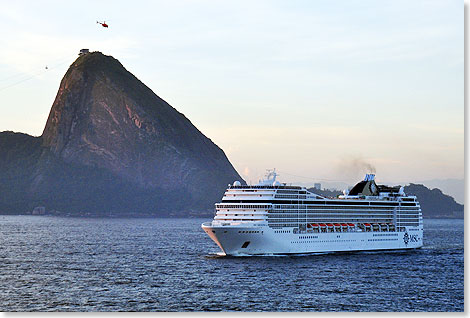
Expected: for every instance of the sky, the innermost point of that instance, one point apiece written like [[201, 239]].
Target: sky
[[323, 91]]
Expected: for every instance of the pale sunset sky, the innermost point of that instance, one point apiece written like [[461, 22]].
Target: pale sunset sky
[[313, 88]]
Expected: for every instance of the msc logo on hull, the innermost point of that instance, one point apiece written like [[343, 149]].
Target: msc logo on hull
[[410, 238]]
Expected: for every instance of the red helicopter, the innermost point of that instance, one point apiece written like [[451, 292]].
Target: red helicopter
[[102, 24]]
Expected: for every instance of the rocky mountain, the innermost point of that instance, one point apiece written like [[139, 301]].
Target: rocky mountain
[[112, 146]]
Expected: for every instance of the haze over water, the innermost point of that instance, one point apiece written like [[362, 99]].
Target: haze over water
[[80, 264]]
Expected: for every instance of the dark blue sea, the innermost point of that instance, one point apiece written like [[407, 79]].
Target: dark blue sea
[[86, 264]]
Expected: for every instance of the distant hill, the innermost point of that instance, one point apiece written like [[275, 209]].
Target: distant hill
[[434, 203], [19, 157], [453, 187], [111, 146]]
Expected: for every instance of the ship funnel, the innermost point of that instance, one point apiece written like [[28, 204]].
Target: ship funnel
[[270, 177], [369, 177]]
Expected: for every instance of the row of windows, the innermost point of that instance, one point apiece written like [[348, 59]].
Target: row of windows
[[295, 225], [332, 208], [245, 195], [227, 215], [334, 220], [250, 232], [291, 191], [335, 215], [395, 234], [343, 217], [366, 229], [244, 206], [319, 202], [408, 224], [411, 212], [348, 230], [319, 207], [274, 222], [404, 216], [283, 222], [241, 220], [289, 196], [339, 213], [325, 241], [383, 239], [326, 221], [264, 187]]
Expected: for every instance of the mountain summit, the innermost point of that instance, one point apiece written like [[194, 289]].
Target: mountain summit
[[109, 139]]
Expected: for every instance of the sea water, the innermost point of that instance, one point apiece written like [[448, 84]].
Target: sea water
[[152, 264]]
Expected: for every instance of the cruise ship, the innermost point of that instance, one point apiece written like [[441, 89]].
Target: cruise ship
[[272, 218]]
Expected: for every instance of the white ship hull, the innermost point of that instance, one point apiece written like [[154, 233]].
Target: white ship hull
[[264, 240]]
